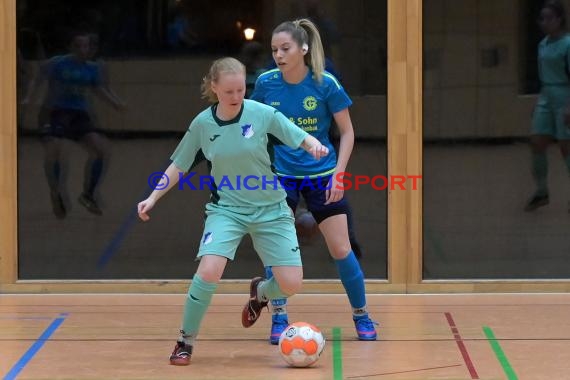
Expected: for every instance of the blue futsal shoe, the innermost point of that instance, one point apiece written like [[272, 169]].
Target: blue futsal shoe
[[278, 325], [365, 328]]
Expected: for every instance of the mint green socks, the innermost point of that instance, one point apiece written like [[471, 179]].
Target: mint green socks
[[269, 290], [197, 302]]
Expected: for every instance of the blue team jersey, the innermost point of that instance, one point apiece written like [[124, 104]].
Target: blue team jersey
[[69, 81], [310, 106]]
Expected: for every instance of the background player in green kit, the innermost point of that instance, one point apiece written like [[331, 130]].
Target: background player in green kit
[[234, 135], [551, 117], [311, 97]]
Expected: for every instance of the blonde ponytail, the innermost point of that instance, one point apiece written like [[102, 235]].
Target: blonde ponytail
[[316, 54]]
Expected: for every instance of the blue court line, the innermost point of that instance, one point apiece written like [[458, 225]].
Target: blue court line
[[117, 240], [115, 243], [28, 355]]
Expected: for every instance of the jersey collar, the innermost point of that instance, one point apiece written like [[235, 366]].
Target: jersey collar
[[221, 122]]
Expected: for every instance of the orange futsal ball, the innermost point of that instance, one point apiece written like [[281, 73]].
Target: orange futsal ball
[[301, 344]]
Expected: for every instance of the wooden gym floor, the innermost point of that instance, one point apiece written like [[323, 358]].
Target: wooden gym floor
[[96, 336]]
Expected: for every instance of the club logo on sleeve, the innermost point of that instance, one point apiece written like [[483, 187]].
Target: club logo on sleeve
[[208, 237], [247, 131], [310, 103]]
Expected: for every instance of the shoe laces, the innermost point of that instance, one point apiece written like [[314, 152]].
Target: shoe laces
[[365, 324], [182, 349]]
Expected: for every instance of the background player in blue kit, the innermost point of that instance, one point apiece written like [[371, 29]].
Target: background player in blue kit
[[65, 114], [551, 116], [311, 97], [234, 135]]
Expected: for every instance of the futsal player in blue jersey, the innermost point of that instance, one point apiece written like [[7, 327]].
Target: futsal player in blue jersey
[[551, 116], [236, 137], [64, 114], [312, 98], [329, 67]]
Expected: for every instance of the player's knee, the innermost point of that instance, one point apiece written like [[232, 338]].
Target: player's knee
[[209, 274], [290, 289], [291, 284], [209, 277], [340, 251]]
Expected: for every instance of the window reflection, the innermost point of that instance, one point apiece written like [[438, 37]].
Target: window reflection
[[480, 90], [148, 58]]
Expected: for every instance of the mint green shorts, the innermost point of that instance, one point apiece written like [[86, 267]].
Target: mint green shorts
[[272, 231], [548, 116]]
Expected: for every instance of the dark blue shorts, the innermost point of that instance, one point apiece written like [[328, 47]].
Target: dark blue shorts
[[65, 123], [313, 191]]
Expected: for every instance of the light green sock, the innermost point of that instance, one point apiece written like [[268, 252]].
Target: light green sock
[[540, 173], [197, 302], [269, 290]]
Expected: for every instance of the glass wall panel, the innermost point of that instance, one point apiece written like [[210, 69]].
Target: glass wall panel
[[488, 151], [146, 60]]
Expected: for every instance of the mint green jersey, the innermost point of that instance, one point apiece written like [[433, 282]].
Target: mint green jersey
[[554, 61], [239, 153]]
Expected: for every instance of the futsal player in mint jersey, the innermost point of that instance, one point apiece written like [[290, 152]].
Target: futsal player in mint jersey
[[551, 116], [235, 136], [312, 98]]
